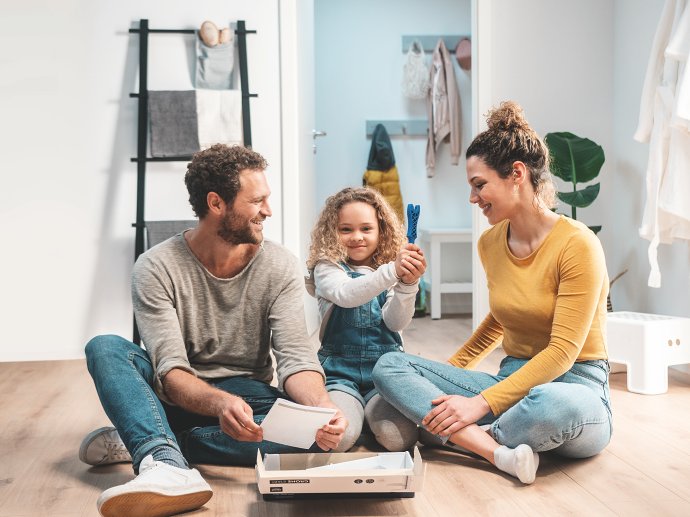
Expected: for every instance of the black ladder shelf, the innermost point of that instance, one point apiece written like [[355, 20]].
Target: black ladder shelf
[[142, 125]]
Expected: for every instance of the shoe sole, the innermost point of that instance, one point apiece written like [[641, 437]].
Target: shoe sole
[[88, 439], [153, 504]]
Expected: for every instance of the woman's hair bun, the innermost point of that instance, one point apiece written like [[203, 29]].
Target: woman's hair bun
[[507, 117]]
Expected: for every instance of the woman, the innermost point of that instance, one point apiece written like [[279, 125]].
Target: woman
[[547, 285]]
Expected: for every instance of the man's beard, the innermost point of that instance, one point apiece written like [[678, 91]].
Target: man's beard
[[234, 230]]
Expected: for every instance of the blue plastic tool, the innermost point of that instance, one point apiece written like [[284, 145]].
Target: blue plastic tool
[[412, 219]]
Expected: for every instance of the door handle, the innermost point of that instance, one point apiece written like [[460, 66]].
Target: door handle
[[314, 134]]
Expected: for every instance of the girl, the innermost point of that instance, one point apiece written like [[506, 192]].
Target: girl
[[365, 279], [547, 283]]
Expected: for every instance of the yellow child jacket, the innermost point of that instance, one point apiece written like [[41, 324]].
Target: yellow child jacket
[[388, 184]]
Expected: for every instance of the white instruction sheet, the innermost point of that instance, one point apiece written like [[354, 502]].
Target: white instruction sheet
[[361, 464], [293, 424]]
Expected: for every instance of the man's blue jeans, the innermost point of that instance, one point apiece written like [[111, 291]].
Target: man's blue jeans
[[570, 415], [123, 374]]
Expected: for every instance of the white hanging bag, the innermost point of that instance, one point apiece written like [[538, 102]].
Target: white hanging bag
[[415, 77]]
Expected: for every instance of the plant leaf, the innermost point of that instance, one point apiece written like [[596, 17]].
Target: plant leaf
[[573, 158], [580, 198], [595, 229]]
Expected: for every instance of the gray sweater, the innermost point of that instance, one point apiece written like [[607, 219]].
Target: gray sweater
[[221, 327]]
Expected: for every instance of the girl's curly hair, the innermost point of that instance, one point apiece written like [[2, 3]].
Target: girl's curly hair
[[325, 244]]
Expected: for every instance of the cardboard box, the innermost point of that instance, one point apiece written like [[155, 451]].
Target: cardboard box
[[392, 474]]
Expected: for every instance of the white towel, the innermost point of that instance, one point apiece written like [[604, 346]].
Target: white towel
[[219, 116]]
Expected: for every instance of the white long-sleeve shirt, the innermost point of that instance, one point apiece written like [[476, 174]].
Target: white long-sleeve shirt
[[331, 286]]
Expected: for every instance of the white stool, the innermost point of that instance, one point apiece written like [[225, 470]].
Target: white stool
[[436, 237], [648, 344]]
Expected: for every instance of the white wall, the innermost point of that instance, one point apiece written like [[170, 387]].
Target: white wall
[[557, 62], [68, 131], [297, 94], [553, 57]]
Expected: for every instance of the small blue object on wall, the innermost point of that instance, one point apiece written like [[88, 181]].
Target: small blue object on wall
[[412, 219]]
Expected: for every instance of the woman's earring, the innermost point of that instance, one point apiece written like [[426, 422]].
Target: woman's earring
[[516, 188]]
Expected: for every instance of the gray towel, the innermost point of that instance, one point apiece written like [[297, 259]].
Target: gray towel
[[174, 128], [214, 65], [158, 231]]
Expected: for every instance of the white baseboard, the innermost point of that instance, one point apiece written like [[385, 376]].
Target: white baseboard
[[682, 368], [455, 303]]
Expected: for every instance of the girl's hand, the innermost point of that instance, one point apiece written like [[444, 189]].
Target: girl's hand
[[410, 263], [453, 412]]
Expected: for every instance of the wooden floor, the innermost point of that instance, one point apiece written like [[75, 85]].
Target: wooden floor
[[47, 407]]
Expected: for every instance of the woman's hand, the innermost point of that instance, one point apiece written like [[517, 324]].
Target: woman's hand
[[410, 263], [453, 412]]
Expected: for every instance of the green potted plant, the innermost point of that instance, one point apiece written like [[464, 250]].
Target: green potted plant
[[576, 160]]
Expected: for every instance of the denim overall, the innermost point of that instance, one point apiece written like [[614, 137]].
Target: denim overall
[[353, 341]]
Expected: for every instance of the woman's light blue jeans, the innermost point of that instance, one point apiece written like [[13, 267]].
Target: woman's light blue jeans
[[571, 415], [123, 375]]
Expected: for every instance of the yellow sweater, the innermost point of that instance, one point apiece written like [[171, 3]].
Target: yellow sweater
[[549, 306]]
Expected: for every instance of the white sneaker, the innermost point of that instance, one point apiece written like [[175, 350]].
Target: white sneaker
[[159, 489], [103, 447]]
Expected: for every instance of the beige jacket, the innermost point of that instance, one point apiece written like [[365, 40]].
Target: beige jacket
[[443, 108]]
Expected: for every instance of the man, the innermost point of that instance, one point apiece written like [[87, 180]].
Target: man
[[210, 304]]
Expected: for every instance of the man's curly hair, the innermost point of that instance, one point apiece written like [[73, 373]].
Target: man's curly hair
[[217, 169], [325, 244]]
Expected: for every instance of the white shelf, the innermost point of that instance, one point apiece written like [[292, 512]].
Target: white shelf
[[456, 287], [436, 237]]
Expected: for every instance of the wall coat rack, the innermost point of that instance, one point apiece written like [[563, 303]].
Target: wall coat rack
[[429, 42], [399, 127]]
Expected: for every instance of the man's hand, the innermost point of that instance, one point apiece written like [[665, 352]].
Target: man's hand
[[329, 436], [453, 412], [197, 396], [307, 388], [236, 420]]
